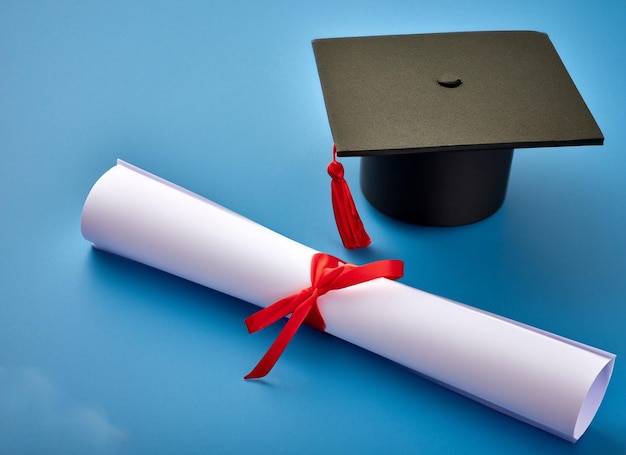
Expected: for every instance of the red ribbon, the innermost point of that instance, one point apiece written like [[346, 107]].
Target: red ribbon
[[327, 273]]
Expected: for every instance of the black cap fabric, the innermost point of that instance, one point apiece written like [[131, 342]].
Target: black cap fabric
[[391, 94], [460, 93]]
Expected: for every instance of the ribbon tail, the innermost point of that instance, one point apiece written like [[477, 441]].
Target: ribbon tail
[[277, 310], [391, 269], [272, 355], [315, 319]]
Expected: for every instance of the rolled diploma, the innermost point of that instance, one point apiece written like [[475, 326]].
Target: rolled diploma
[[543, 379]]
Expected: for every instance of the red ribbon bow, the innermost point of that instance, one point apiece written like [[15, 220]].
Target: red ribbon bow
[[327, 273]]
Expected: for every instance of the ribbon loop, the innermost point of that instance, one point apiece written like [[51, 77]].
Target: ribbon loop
[[327, 273]]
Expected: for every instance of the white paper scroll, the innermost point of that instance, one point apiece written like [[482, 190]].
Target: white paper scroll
[[548, 381]]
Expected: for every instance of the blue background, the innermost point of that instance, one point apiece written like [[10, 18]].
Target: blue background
[[102, 355]]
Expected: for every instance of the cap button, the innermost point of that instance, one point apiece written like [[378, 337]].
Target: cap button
[[449, 80]]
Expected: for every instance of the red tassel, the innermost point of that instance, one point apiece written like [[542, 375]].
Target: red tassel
[[349, 223]]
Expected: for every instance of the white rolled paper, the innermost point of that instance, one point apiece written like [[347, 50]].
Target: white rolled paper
[[543, 379]]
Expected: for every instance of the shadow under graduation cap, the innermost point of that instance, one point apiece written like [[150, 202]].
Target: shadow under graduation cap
[[436, 117]]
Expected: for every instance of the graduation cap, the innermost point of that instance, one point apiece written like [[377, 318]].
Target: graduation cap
[[436, 117]]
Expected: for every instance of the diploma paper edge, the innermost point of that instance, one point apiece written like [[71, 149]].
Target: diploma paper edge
[[604, 376]]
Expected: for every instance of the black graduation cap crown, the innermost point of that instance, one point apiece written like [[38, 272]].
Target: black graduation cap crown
[[435, 117]]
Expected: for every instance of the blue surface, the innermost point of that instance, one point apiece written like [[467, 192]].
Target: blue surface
[[102, 355]]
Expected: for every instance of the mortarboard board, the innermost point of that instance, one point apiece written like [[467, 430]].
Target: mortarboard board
[[436, 117]]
